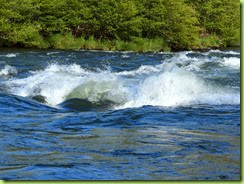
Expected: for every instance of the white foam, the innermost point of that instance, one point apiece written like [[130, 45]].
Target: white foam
[[125, 56], [232, 62], [142, 70], [224, 52], [7, 70], [182, 60], [57, 82], [179, 88], [11, 55], [52, 53], [71, 69], [194, 64], [172, 83]]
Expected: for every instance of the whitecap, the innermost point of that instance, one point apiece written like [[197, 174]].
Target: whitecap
[[179, 88], [125, 56], [167, 84], [11, 55], [7, 70], [58, 83], [232, 62], [52, 53]]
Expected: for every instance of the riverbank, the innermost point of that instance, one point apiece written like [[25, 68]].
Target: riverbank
[[69, 42], [140, 26]]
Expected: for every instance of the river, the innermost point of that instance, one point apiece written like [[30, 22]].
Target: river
[[85, 115]]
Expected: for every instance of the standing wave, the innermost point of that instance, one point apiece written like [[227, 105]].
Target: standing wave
[[159, 85], [58, 83], [179, 87]]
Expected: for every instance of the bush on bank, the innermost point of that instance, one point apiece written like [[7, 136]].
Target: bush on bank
[[138, 25]]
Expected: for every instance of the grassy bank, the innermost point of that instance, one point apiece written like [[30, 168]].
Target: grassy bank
[[69, 42]]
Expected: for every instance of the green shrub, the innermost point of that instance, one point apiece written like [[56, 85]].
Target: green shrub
[[138, 25], [66, 41]]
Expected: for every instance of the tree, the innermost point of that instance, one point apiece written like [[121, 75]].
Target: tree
[[153, 15], [221, 17], [181, 29]]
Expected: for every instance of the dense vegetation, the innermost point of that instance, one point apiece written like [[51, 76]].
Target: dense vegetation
[[139, 25]]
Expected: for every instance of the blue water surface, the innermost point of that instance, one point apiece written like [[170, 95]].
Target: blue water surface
[[90, 115]]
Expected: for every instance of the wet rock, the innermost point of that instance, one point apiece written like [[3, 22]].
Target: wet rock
[[39, 98]]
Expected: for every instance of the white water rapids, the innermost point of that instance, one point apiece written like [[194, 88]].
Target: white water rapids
[[174, 82]]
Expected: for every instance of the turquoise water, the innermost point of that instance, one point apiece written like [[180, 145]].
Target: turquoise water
[[85, 115]]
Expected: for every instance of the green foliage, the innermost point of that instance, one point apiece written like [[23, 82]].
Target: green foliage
[[90, 44], [153, 18], [220, 17], [142, 45], [208, 41], [139, 25], [158, 44], [28, 36], [181, 30], [66, 41]]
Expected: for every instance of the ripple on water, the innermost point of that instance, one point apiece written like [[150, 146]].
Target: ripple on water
[[153, 116]]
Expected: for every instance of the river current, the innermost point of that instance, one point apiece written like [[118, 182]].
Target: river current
[[93, 115]]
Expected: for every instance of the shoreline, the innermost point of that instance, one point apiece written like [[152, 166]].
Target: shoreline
[[138, 44], [122, 51]]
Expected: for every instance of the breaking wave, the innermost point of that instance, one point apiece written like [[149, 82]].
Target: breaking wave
[[174, 82], [10, 55], [232, 62], [7, 70], [58, 83], [180, 88]]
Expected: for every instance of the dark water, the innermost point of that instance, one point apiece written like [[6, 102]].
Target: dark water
[[119, 115]]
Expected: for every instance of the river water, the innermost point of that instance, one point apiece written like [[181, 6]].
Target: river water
[[85, 115]]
